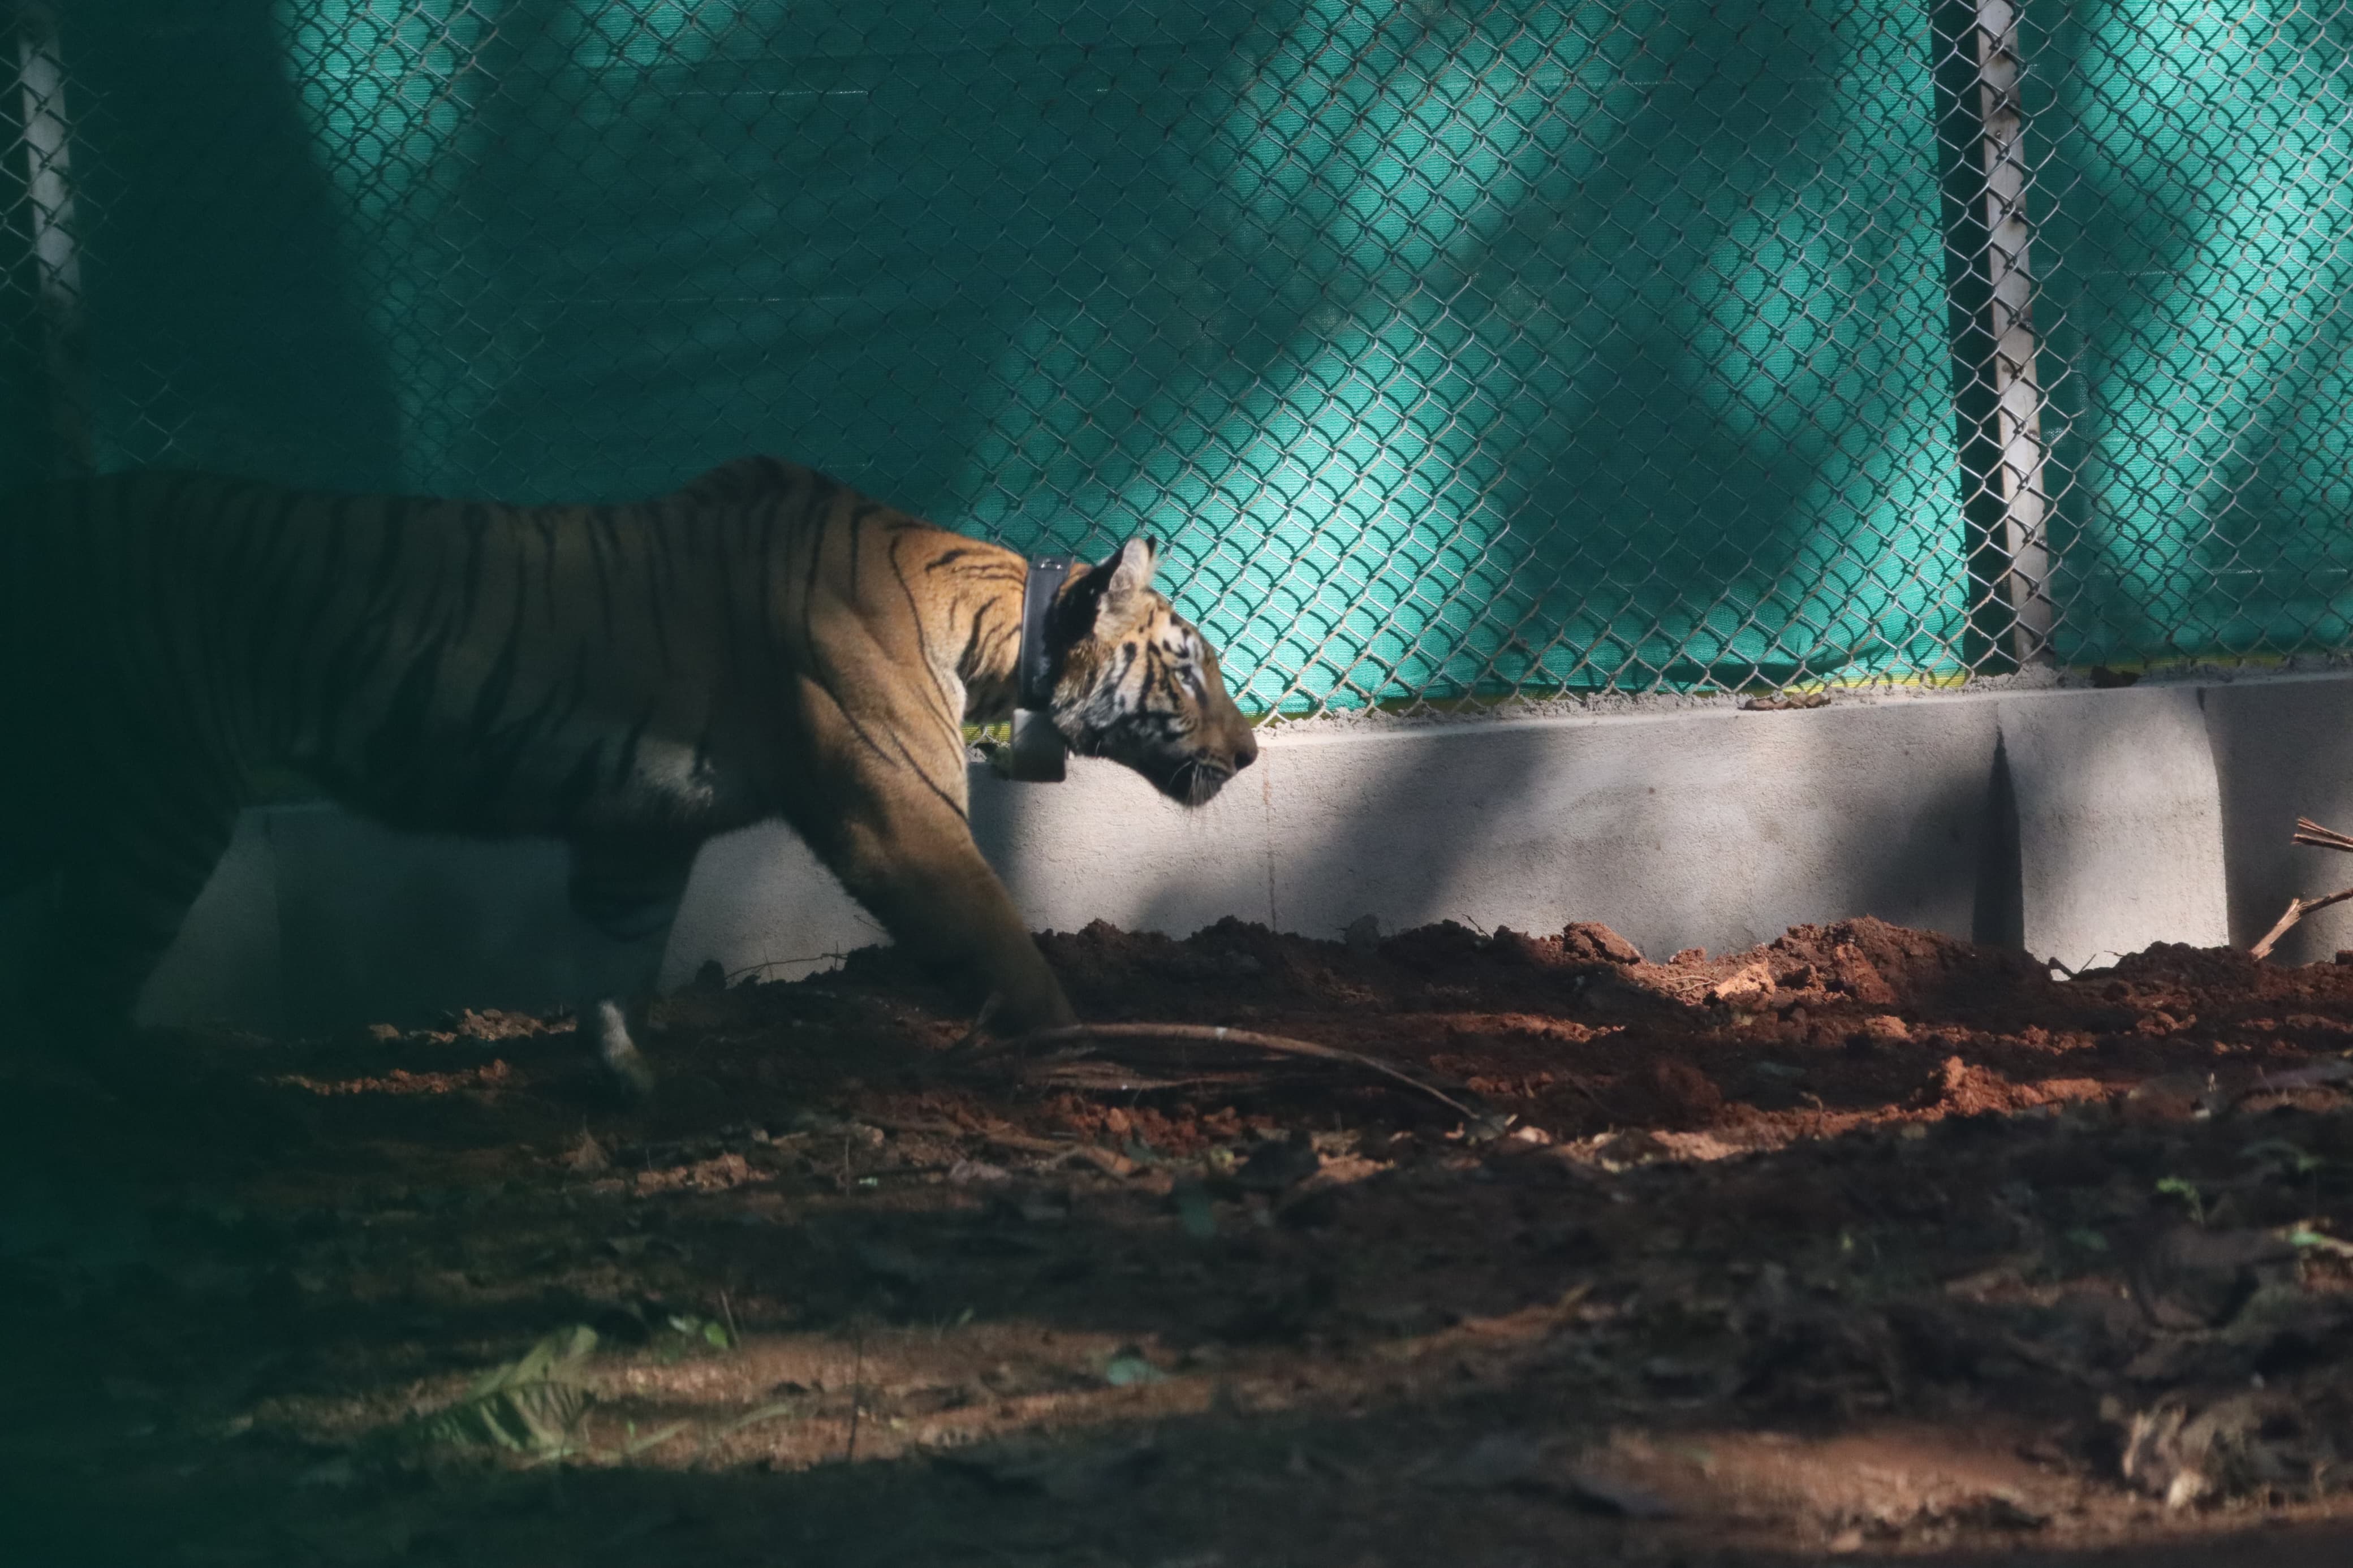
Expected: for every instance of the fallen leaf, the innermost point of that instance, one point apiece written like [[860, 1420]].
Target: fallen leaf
[[1129, 1370]]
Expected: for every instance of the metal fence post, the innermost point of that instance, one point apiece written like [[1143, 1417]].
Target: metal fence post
[[1998, 393]]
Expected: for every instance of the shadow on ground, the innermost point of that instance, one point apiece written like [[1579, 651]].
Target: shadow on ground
[[1864, 1242]]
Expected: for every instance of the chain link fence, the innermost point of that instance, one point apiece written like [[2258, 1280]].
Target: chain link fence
[[1456, 352]]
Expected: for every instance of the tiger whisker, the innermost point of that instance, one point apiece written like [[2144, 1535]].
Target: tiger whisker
[[1201, 781]]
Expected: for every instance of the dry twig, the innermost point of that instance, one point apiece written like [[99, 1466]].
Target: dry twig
[[2297, 910], [2310, 831], [2307, 832], [1218, 1034]]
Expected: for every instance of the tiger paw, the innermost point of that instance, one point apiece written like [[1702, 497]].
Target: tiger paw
[[624, 1063]]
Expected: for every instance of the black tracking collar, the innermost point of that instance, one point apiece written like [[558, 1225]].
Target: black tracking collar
[[1035, 685], [1038, 749]]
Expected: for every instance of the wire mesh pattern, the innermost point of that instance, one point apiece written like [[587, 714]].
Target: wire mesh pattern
[[1454, 351], [2197, 174]]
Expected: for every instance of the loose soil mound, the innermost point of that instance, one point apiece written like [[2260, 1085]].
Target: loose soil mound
[[1863, 1241]]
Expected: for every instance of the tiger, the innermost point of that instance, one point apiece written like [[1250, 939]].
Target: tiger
[[763, 643]]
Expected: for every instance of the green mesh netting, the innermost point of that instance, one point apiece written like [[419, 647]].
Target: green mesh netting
[[2195, 193], [1452, 349]]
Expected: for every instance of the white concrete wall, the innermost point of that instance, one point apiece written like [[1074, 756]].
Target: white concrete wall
[[2082, 823], [2119, 822], [229, 960], [1712, 828], [2287, 747]]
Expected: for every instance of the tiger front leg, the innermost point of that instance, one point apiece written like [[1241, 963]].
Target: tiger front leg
[[915, 867], [628, 891]]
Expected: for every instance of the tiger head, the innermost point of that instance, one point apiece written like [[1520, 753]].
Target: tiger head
[[1136, 682]]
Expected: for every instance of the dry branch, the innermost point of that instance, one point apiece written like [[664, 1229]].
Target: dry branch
[[2297, 910], [2307, 832], [2310, 831], [1218, 1034]]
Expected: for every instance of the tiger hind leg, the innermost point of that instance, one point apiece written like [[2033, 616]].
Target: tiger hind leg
[[112, 905], [628, 891]]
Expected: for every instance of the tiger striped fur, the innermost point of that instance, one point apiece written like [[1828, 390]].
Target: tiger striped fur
[[763, 643]]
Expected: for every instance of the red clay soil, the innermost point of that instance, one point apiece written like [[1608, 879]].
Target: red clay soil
[[1865, 1243]]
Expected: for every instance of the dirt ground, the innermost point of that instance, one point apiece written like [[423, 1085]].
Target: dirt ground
[[1863, 1244]]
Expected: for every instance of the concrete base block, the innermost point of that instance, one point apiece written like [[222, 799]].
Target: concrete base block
[[225, 963], [1106, 846], [2119, 822], [377, 926], [2285, 747], [2078, 824], [760, 903], [1703, 829]]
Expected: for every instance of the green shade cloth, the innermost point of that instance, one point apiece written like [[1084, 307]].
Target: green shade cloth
[[1451, 350], [2193, 196]]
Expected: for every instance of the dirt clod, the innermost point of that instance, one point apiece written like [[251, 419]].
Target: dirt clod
[[1588, 941]]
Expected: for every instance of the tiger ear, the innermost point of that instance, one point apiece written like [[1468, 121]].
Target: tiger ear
[[1129, 578]]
